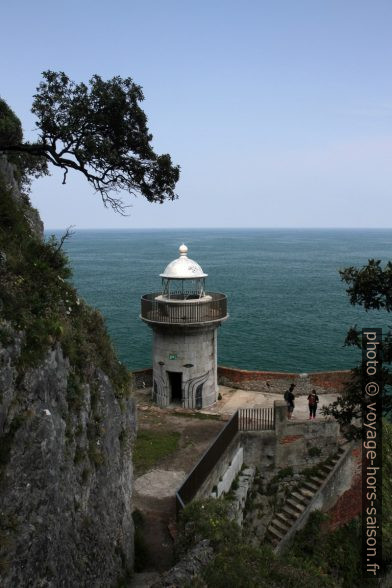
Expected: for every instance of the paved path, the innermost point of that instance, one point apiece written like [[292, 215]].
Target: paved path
[[233, 398]]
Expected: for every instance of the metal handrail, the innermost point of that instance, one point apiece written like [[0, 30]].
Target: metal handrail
[[250, 419]]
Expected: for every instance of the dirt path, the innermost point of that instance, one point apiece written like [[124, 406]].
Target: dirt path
[[154, 490]]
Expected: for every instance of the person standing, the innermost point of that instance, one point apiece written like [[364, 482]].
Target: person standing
[[313, 400], [289, 398]]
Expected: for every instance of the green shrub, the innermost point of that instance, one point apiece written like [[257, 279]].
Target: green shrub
[[314, 452], [282, 474], [387, 491], [285, 473], [95, 455], [337, 553], [75, 393], [236, 563], [207, 519]]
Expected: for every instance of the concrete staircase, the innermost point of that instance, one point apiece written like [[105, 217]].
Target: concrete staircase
[[296, 504]]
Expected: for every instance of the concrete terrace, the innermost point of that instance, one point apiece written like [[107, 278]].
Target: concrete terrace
[[234, 398]]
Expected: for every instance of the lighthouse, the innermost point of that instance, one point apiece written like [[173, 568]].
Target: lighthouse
[[184, 318]]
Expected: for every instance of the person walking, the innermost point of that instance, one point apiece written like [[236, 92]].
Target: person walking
[[289, 398], [313, 400]]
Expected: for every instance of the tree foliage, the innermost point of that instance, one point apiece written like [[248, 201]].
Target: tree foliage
[[371, 287], [27, 165], [101, 131]]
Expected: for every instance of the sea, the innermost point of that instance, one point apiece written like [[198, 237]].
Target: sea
[[289, 310]]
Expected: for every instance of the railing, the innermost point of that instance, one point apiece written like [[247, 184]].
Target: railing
[[184, 312], [248, 419], [256, 419], [207, 463]]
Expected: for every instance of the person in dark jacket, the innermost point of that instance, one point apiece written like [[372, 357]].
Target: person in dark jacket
[[313, 400], [289, 398]]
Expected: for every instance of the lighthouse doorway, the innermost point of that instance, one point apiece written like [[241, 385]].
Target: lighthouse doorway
[[175, 382]]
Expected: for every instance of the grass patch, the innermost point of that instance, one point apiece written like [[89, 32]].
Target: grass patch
[[152, 446]]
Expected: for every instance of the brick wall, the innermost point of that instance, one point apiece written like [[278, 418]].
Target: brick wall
[[275, 382], [239, 376]]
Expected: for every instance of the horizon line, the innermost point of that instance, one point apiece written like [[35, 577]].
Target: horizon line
[[215, 228]]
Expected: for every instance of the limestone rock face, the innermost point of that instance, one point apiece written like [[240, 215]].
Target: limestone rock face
[[65, 479], [65, 467]]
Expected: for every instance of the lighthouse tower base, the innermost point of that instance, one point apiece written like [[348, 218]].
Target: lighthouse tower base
[[185, 365]]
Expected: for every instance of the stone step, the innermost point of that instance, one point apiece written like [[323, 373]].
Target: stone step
[[310, 486], [290, 512], [327, 468], [284, 519], [317, 480], [282, 527], [308, 494], [299, 497], [272, 539], [276, 534], [297, 506]]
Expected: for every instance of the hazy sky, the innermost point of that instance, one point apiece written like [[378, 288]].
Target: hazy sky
[[279, 113]]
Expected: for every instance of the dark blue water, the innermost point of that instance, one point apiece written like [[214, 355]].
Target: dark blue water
[[288, 307]]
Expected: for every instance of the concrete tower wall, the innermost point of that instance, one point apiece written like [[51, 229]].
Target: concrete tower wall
[[191, 352]]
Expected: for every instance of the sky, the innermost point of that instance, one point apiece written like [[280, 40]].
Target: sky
[[279, 113]]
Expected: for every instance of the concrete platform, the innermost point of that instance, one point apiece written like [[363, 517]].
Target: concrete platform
[[234, 398]]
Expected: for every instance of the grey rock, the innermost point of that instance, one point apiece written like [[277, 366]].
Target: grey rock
[[188, 567], [65, 519], [65, 471]]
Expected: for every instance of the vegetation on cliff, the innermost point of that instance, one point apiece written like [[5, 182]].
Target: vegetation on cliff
[[67, 419], [37, 299], [316, 559]]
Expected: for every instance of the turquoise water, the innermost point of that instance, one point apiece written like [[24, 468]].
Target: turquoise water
[[288, 307]]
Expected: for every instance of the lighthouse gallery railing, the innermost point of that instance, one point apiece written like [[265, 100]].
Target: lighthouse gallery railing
[[181, 312]]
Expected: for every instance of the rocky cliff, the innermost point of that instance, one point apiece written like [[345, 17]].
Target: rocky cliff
[[67, 418]]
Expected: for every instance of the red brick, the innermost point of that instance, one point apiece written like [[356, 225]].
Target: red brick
[[290, 439]]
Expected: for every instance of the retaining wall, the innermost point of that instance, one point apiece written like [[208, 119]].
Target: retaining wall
[[219, 471], [275, 382], [340, 480], [349, 503]]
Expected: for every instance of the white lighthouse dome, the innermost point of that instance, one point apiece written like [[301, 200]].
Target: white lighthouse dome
[[183, 268]]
